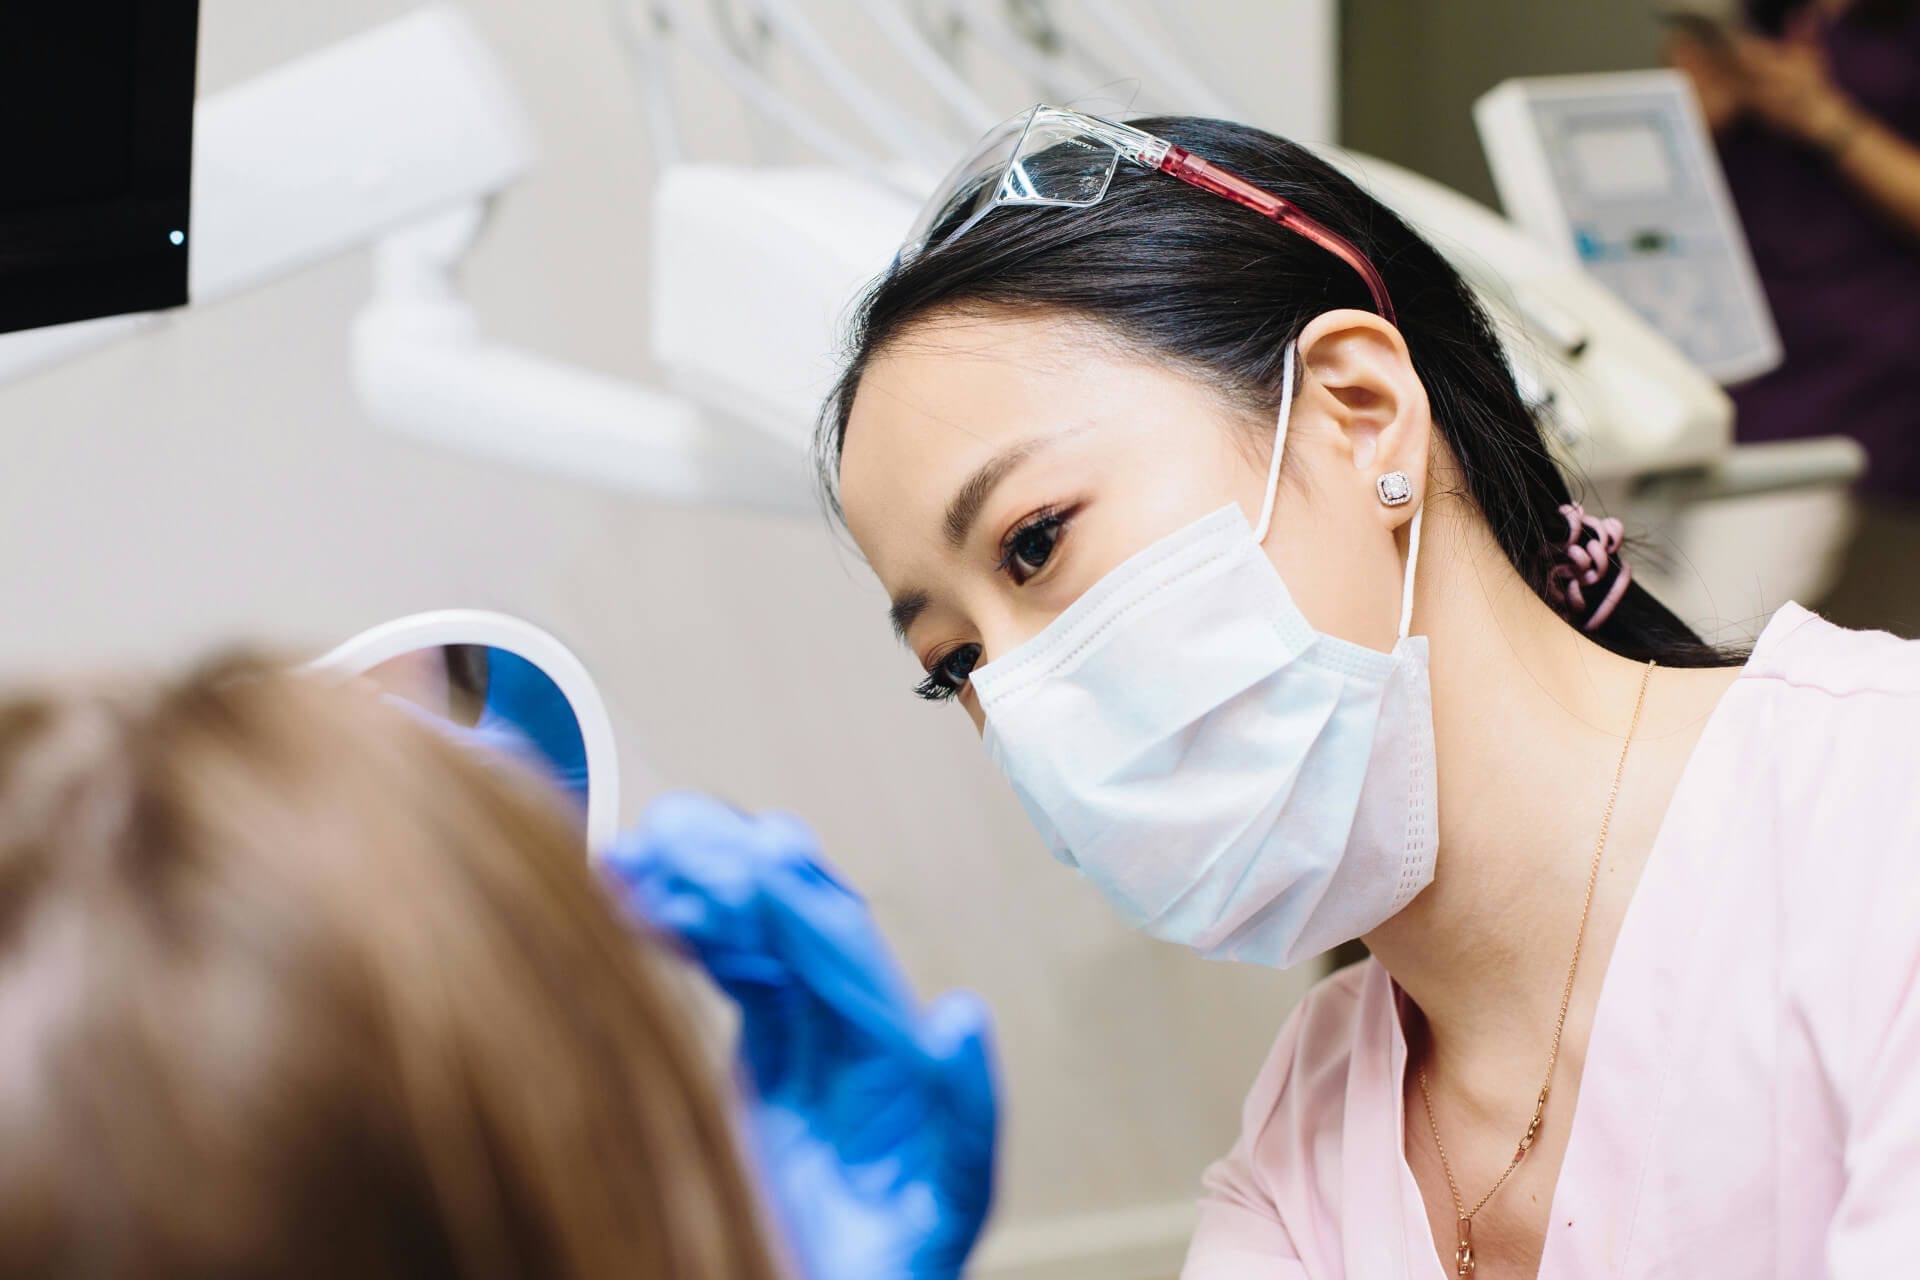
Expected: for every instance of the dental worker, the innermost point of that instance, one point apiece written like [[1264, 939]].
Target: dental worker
[[1200, 482]]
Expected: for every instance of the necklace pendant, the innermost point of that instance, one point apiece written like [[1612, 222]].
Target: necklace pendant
[[1463, 1254]]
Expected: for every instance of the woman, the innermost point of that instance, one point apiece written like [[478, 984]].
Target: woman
[[1817, 113], [291, 986], [1232, 536]]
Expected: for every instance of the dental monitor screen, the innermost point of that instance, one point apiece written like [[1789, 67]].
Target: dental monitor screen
[[95, 158], [1621, 161], [1618, 173]]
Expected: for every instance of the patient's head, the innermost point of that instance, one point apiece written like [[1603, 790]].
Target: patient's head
[[291, 987]]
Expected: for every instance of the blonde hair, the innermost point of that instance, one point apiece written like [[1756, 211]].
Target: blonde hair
[[289, 986]]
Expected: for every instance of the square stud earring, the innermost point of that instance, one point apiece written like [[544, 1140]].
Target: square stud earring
[[1395, 489]]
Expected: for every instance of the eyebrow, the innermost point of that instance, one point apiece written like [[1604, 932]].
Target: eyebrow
[[962, 513], [972, 496], [906, 610]]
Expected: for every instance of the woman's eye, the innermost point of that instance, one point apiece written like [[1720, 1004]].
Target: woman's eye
[[1029, 547], [949, 674]]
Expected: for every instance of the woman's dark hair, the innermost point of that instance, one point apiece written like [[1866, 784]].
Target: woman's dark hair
[[1192, 279]]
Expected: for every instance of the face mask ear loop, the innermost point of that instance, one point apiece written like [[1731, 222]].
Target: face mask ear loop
[[1413, 559], [1279, 446]]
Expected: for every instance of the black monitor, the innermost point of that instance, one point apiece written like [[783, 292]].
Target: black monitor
[[96, 157]]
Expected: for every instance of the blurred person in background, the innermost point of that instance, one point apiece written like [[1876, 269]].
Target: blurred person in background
[[292, 985], [1816, 106]]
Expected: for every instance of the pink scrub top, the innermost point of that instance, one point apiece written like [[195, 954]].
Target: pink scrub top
[[1751, 1099]]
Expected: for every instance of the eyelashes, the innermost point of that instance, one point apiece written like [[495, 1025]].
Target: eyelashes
[[949, 674], [1025, 553], [1030, 544]]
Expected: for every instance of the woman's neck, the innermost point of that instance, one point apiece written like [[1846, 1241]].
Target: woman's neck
[[1529, 720]]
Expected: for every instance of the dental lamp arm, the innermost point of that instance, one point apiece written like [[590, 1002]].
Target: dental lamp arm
[[913, 145], [757, 92], [421, 366], [891, 19], [987, 23], [643, 37]]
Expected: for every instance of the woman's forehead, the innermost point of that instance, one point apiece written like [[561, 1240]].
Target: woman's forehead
[[941, 368], [936, 402], [953, 391]]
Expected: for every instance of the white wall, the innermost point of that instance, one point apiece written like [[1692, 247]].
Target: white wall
[[217, 481]]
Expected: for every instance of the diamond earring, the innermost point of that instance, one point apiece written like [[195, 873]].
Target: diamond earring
[[1395, 489]]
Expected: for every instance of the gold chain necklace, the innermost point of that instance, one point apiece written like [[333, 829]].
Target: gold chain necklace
[[1463, 1261]]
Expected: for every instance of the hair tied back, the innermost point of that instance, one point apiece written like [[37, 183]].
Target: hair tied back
[[1592, 551]]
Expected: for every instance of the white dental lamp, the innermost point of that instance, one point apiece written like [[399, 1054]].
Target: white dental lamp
[[398, 138], [322, 155]]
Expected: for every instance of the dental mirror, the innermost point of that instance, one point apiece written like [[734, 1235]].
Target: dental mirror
[[491, 672]]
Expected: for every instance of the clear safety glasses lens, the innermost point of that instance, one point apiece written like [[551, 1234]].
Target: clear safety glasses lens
[[1058, 163], [1042, 157]]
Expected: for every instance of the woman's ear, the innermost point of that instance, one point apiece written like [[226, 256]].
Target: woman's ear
[[1371, 393]]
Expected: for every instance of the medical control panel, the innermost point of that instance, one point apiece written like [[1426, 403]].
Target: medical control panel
[[1618, 173]]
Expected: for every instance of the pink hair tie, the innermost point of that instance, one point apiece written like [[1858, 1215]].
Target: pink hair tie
[[1593, 547]]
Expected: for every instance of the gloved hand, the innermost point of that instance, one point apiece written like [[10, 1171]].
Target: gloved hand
[[873, 1120]]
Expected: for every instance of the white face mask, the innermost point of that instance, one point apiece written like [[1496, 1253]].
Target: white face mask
[[1228, 777]]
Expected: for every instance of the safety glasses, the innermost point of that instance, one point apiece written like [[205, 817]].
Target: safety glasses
[[1050, 157]]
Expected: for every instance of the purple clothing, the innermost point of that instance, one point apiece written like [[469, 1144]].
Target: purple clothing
[[1843, 280]]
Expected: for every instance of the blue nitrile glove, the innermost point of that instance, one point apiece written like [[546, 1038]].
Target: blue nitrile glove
[[873, 1120]]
